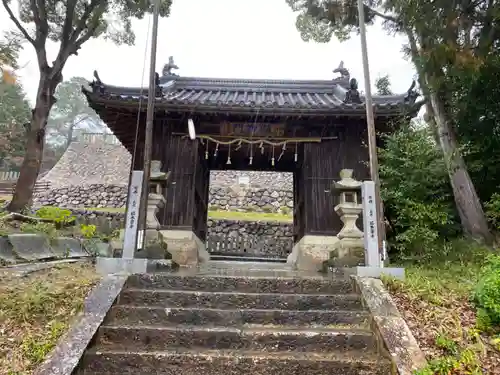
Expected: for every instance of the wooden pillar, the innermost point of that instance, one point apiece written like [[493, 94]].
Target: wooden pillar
[[298, 201], [201, 192]]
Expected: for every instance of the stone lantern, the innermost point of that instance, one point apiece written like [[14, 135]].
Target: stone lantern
[[156, 198], [348, 208], [350, 249]]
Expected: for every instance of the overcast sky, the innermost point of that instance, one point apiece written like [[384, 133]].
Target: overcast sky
[[228, 39]]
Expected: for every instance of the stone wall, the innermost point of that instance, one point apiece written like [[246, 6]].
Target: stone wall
[[250, 238], [115, 196], [91, 164], [84, 196], [94, 174], [250, 199], [272, 180]]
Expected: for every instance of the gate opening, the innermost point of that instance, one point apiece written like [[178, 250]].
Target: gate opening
[[250, 216]]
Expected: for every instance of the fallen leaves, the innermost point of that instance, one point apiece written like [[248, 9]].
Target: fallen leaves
[[36, 310], [443, 321]]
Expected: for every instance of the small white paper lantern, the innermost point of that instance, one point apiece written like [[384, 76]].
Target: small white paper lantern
[[191, 129]]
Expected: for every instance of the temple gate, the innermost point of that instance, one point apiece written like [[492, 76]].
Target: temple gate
[[313, 129]]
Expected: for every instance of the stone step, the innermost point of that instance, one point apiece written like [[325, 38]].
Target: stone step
[[229, 300], [239, 265], [218, 362], [158, 316], [256, 338], [250, 284], [239, 258]]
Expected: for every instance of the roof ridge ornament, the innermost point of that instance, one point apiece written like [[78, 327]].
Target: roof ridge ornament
[[97, 85], [344, 73], [352, 95], [412, 94], [167, 68]]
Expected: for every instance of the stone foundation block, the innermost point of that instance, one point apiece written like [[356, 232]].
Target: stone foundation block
[[310, 253], [185, 247], [347, 257]]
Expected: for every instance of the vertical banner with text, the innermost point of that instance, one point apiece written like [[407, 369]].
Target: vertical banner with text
[[372, 253], [132, 219]]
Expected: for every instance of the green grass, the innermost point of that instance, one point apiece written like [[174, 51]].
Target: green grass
[[102, 209], [250, 216], [454, 271], [224, 215], [435, 300], [36, 310]]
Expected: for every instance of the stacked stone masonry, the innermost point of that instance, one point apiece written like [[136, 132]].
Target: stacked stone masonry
[[250, 199], [96, 174], [250, 238]]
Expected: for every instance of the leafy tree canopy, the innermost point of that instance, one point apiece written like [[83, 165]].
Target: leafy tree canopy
[[73, 22], [10, 46], [71, 111], [14, 114], [383, 85]]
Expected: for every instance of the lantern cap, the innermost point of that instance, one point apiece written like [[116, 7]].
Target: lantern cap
[[347, 182]]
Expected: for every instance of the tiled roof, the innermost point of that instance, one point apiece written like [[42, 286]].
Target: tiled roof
[[244, 95]]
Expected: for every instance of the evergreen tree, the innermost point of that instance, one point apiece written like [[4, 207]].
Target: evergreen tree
[[14, 114]]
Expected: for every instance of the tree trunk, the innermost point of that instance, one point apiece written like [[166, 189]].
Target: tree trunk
[[468, 204], [34, 143], [415, 57]]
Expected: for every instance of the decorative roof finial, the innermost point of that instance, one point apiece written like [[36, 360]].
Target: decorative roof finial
[[412, 94], [352, 95], [344, 73], [167, 68]]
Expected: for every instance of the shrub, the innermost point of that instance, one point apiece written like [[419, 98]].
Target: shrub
[[58, 215], [88, 231], [493, 211], [415, 188], [487, 293]]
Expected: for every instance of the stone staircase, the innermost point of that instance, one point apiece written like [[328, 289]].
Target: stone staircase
[[227, 321]]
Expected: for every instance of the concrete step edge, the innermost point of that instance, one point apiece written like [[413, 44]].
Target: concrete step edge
[[246, 329], [346, 356], [351, 296], [161, 308], [198, 275]]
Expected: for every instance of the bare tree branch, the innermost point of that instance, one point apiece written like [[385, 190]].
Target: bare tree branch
[[36, 17], [73, 44], [42, 14], [42, 30], [68, 23], [66, 41], [384, 16], [17, 23]]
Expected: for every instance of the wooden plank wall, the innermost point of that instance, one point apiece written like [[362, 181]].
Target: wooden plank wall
[[319, 164], [322, 165], [179, 157]]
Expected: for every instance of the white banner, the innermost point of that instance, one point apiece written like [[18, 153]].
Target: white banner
[[372, 254], [132, 219]]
